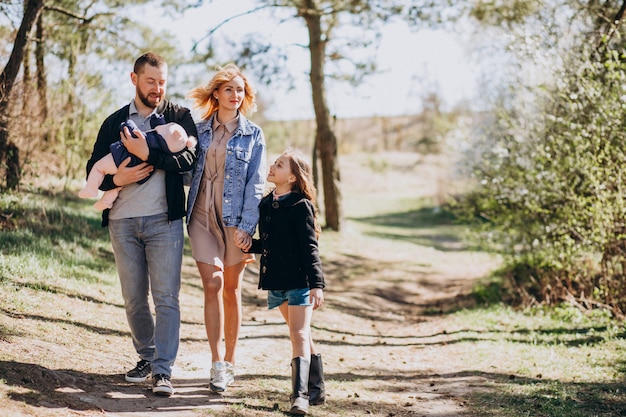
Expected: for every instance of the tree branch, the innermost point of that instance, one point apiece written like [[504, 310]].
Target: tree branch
[[223, 22], [617, 21], [82, 18]]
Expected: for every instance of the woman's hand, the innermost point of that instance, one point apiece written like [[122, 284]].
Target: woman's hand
[[242, 240], [317, 297]]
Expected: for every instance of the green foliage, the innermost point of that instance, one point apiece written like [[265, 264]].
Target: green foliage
[[46, 238], [84, 42], [551, 192], [505, 11], [290, 133], [487, 292]]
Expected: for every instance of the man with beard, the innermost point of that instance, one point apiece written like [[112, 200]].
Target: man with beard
[[145, 222]]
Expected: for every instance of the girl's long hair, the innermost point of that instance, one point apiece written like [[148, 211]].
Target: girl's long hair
[[204, 100], [303, 172]]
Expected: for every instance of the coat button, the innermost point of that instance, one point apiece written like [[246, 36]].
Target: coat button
[[275, 204], [264, 269]]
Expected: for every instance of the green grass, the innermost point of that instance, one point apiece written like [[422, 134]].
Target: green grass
[[534, 362], [545, 361], [539, 361], [51, 243], [422, 224]]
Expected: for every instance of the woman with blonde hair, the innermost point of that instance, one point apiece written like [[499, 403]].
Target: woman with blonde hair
[[226, 188]]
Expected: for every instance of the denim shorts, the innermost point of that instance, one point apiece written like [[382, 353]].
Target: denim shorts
[[297, 297]]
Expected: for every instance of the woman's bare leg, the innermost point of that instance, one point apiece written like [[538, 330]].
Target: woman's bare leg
[[233, 278], [213, 285]]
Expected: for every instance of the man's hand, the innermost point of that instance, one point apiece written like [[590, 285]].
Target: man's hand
[[125, 175], [137, 146]]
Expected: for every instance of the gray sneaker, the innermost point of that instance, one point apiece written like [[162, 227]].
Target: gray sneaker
[[222, 374], [161, 385], [140, 372]]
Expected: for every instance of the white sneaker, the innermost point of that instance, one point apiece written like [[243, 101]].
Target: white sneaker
[[219, 378], [230, 373]]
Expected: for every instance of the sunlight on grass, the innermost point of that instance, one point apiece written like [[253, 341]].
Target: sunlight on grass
[[51, 243], [389, 203], [57, 269], [555, 361]]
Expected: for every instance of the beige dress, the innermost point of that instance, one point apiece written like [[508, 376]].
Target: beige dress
[[212, 242]]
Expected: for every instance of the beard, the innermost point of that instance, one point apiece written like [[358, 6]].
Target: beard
[[150, 100]]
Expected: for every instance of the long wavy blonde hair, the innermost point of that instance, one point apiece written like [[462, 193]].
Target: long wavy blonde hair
[[204, 100]]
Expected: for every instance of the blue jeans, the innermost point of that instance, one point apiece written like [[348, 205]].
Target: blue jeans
[[148, 254], [296, 297]]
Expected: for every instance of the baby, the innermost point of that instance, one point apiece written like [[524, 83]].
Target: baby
[[170, 137]]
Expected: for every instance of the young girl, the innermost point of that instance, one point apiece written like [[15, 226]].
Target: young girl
[[291, 270]]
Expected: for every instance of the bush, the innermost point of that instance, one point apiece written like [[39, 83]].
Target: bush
[[551, 189]]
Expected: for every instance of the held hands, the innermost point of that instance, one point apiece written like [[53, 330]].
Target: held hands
[[317, 297], [242, 240]]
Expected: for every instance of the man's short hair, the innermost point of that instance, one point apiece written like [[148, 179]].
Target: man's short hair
[[149, 58]]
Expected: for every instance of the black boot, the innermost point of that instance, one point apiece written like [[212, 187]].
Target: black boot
[[299, 383], [317, 392]]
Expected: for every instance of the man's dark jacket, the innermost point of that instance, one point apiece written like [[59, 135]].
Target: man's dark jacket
[[173, 164]]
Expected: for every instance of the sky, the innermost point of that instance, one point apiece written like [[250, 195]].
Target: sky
[[410, 64]]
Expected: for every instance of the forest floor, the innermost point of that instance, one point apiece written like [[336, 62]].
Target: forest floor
[[389, 343]]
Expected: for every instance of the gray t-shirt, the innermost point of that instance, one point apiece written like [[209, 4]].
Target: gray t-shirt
[[138, 200]]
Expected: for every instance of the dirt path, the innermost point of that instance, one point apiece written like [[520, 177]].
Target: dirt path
[[382, 355], [387, 349]]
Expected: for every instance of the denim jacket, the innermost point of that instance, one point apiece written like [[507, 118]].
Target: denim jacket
[[244, 177]]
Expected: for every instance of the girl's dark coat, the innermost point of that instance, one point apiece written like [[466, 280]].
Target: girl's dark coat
[[288, 246]]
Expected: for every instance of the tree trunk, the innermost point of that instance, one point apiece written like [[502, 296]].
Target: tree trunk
[[42, 85], [8, 76], [26, 81], [316, 174], [14, 173], [325, 139]]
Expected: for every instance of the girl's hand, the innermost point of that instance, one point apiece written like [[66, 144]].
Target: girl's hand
[[317, 297], [242, 240]]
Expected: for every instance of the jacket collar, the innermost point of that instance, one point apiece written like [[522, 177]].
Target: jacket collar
[[244, 127], [288, 201]]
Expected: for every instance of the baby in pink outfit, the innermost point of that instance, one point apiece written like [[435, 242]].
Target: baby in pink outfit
[[170, 137]]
